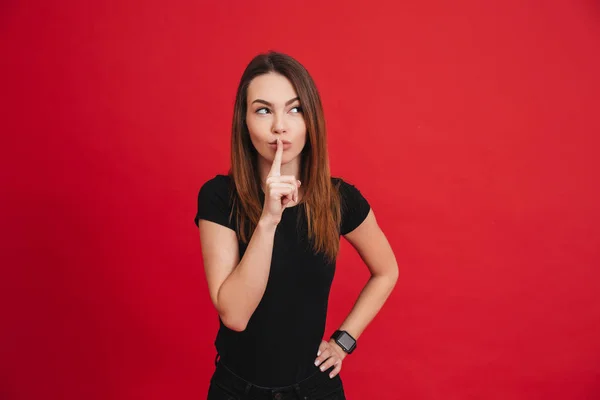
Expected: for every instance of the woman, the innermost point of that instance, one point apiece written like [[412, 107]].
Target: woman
[[270, 232]]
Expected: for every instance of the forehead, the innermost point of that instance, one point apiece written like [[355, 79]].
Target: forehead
[[271, 87]]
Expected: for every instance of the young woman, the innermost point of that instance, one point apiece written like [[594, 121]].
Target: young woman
[[270, 233]]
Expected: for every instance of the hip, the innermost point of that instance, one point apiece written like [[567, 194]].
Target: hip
[[226, 385]]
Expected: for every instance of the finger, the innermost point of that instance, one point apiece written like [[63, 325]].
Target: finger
[[297, 191], [325, 354], [329, 362], [295, 194], [322, 347], [282, 185], [282, 194], [276, 167], [291, 179], [336, 370]]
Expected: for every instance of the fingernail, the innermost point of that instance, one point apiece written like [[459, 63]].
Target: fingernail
[[299, 183], [317, 363], [330, 376], [318, 353], [322, 369]]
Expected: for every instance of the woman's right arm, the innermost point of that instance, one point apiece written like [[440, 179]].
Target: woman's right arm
[[237, 286]]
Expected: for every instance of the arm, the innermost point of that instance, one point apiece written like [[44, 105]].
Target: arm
[[236, 287], [374, 249]]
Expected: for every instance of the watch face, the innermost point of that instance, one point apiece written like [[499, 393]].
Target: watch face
[[346, 341]]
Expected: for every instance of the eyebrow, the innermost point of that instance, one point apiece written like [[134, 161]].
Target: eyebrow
[[287, 103]]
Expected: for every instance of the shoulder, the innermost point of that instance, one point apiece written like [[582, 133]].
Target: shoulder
[[354, 205], [345, 187], [215, 200], [338, 182], [218, 180], [220, 184]]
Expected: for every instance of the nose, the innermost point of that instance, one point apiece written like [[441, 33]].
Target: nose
[[279, 124]]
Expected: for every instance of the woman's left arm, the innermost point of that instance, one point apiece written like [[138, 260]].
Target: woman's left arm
[[373, 247]]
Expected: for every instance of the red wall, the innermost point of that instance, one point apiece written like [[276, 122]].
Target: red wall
[[472, 128]]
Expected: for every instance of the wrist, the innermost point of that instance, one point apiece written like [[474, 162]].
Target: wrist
[[267, 223], [338, 349], [344, 340]]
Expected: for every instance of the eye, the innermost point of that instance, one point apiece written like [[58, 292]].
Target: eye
[[262, 110], [297, 108]]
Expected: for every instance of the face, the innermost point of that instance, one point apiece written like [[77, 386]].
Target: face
[[274, 111]]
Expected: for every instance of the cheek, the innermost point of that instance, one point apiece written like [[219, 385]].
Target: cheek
[[298, 125], [257, 125], [255, 128], [302, 130], [259, 133]]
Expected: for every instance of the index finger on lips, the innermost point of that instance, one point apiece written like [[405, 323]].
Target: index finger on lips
[[276, 167]]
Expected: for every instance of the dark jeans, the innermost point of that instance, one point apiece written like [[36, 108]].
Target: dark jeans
[[225, 385]]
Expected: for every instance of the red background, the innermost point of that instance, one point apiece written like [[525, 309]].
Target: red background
[[472, 128]]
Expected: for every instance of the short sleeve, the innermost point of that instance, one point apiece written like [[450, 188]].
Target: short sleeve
[[214, 202], [355, 207]]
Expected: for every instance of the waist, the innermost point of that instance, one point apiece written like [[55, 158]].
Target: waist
[[224, 376], [268, 359]]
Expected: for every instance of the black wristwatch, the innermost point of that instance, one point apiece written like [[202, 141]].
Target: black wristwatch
[[346, 342]]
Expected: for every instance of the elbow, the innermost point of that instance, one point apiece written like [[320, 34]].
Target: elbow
[[391, 275], [235, 324], [391, 279], [230, 318], [395, 273]]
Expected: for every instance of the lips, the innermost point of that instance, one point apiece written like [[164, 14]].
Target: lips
[[285, 145]]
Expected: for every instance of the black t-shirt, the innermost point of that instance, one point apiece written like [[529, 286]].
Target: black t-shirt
[[280, 343]]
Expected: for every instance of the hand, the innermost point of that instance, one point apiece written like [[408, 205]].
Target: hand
[[280, 190], [330, 354]]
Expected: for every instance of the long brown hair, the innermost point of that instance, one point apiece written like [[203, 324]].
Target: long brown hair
[[321, 199]]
